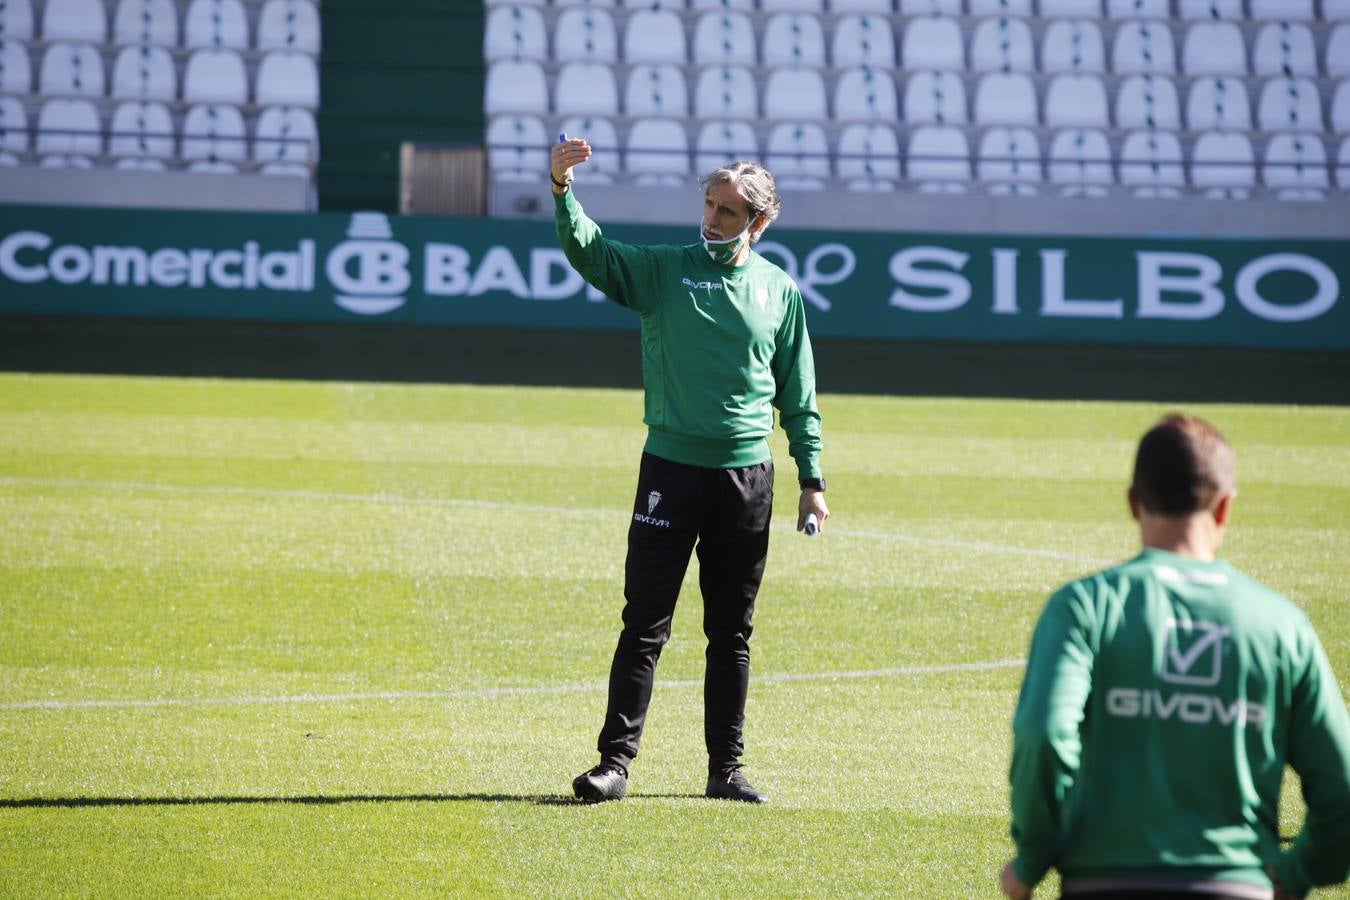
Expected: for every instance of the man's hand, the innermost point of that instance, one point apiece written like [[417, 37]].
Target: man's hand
[[1012, 885], [812, 501], [565, 155]]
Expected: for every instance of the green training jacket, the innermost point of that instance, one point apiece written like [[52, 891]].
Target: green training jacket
[[721, 346], [1162, 700]]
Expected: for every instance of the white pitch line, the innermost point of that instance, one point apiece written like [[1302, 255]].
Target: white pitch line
[[594, 687]]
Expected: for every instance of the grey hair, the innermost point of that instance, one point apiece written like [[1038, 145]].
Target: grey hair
[[754, 183]]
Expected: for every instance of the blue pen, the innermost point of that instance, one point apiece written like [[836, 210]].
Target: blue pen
[[562, 137]]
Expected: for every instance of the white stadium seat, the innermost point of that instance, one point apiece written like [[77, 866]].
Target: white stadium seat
[[939, 154], [1002, 45], [214, 132], [1073, 45], [1071, 9], [69, 127], [1338, 51], [71, 70], [139, 164], [141, 129], [1009, 156], [1340, 108], [1282, 9], [793, 40], [16, 68], [798, 156], [284, 168], [658, 152], [1343, 165], [287, 78], [1080, 162], [599, 132], [930, 7], [585, 35], [1152, 159], [1284, 48], [725, 38], [1019, 8], [932, 42], [654, 4], [654, 36], [1143, 46], [143, 72], [518, 87], [1006, 99], [9, 159], [1192, 10], [868, 157], [866, 95], [861, 6], [726, 92], [583, 88], [719, 142], [1148, 101], [1336, 10], [1138, 9], [289, 25], [656, 91], [215, 76], [1218, 104], [1214, 48], [16, 20], [811, 7], [288, 134], [64, 161], [935, 98], [1289, 104], [864, 41], [795, 93], [13, 125], [1223, 161], [517, 148], [75, 20], [1296, 163], [512, 32], [1076, 101], [216, 23], [146, 22], [213, 167], [740, 5]]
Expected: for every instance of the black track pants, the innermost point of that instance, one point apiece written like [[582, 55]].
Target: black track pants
[[726, 512]]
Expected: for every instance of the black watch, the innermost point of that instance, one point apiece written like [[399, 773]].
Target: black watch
[[817, 483]]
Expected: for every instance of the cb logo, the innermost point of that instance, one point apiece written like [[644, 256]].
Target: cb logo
[[370, 270]]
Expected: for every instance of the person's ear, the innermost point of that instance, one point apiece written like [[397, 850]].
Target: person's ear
[[1133, 500], [1224, 508]]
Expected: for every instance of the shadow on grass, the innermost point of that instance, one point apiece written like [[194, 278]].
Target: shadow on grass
[[315, 800]]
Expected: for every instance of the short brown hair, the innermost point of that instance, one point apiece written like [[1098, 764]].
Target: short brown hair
[[1184, 466]]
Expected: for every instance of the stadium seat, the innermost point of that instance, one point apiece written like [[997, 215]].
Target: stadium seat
[[1340, 108], [599, 132], [1289, 104], [935, 98], [289, 25], [586, 89], [725, 38], [1284, 48], [1282, 9], [288, 134], [811, 7], [75, 20], [1296, 166], [740, 5], [1214, 48], [141, 129], [726, 92], [939, 155], [144, 73], [868, 157], [9, 159], [1073, 45], [1071, 9], [214, 132], [1336, 10], [65, 161], [519, 87], [16, 20], [139, 164], [585, 35], [1218, 104], [1143, 46], [654, 36], [216, 23], [719, 142], [1080, 163], [1019, 8], [284, 168], [930, 7], [512, 32], [213, 167], [882, 7], [517, 148], [1138, 9], [798, 156], [69, 127], [658, 152], [795, 93], [16, 68], [654, 4], [793, 40], [865, 95], [13, 126], [1343, 165], [146, 22], [1192, 10], [865, 41], [1009, 156], [1152, 160], [1338, 51], [932, 42], [1002, 45], [215, 76], [71, 70], [1223, 162], [1006, 99], [1148, 101], [1076, 101], [656, 91], [286, 78]]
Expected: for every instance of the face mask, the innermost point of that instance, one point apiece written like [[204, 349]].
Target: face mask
[[724, 251]]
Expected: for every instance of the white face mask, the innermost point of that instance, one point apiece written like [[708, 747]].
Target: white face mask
[[724, 251]]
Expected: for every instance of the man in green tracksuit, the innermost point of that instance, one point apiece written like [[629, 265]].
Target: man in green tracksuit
[[1162, 700], [723, 342]]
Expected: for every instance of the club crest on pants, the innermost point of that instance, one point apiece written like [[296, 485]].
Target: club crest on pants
[[653, 498]]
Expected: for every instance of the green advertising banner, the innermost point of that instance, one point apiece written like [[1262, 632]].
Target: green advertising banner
[[371, 267]]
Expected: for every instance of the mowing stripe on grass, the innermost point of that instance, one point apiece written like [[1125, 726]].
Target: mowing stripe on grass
[[464, 503], [783, 677]]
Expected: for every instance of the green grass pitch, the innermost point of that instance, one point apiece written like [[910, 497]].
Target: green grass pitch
[[266, 638]]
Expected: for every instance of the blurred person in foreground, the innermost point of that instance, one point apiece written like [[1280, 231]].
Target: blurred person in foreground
[[1162, 700], [724, 342]]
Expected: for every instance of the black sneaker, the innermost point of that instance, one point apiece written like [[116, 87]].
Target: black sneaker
[[733, 786], [606, 781]]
